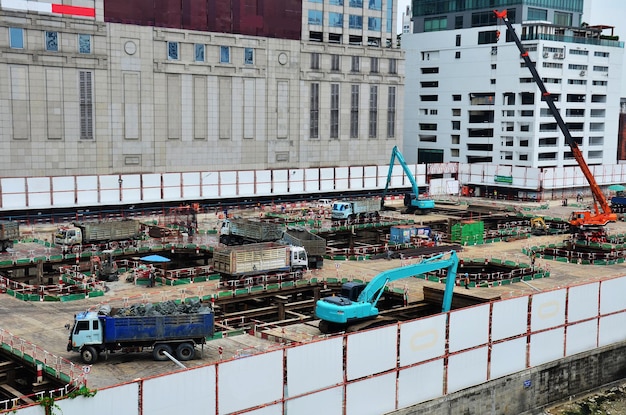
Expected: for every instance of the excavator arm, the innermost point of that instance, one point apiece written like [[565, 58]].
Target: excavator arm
[[339, 311], [603, 213], [421, 204]]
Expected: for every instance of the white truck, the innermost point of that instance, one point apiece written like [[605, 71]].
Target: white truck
[[259, 259], [356, 209], [80, 233]]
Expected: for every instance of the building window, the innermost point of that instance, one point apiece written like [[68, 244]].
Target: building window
[[373, 124], [335, 2], [488, 36], [52, 41], [356, 3], [375, 4], [355, 22], [454, 152], [393, 66], [458, 22], [537, 14], [458, 40], [224, 54], [335, 19], [172, 51], [85, 91], [334, 110], [16, 38], [456, 125], [248, 56], [374, 65], [315, 60], [601, 54], [374, 24], [84, 44], [199, 52], [316, 17], [391, 112], [335, 62], [355, 64], [434, 24], [457, 54], [562, 19], [354, 111], [315, 111], [456, 97]]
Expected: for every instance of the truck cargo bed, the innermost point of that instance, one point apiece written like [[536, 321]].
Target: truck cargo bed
[[252, 259], [147, 328]]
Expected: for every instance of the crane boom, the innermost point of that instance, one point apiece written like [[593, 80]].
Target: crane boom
[[602, 213]]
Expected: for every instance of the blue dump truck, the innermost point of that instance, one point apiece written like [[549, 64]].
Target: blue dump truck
[[94, 333]]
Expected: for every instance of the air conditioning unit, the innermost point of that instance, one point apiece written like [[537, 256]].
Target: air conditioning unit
[[555, 56], [546, 54], [494, 51], [561, 56], [583, 73]]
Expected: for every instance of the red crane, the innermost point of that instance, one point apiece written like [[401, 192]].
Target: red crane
[[581, 220]]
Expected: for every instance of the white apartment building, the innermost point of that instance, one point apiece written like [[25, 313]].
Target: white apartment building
[[470, 98]]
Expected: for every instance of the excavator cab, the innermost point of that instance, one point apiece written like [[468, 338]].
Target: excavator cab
[[352, 290]]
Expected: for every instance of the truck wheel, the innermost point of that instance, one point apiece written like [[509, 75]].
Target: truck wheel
[[157, 352], [89, 355], [185, 351]]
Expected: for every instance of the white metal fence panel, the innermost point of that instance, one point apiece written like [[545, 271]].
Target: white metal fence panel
[[163, 395], [422, 340], [359, 395], [420, 383], [250, 381], [547, 310], [86, 190], [469, 327], [210, 184], [296, 181], [371, 352], [171, 186], [467, 369], [263, 182], [507, 357], [314, 366], [312, 180], [341, 178], [509, 318], [582, 302], [63, 191], [280, 181], [612, 329], [246, 180], [581, 337], [328, 402], [327, 177], [121, 400], [151, 187], [276, 409], [370, 177], [612, 295], [547, 346]]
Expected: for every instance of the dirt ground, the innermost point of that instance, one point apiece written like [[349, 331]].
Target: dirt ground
[[607, 401]]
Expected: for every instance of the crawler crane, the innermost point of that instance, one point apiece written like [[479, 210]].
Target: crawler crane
[[581, 222]]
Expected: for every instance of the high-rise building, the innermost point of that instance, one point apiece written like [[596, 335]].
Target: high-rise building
[[470, 98], [118, 86]]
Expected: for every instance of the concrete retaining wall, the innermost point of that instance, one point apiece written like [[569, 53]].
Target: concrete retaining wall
[[529, 391]]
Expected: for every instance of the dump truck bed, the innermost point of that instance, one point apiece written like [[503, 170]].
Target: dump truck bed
[[148, 328]]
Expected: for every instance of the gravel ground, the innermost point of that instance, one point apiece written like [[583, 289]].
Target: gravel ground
[[611, 401]]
